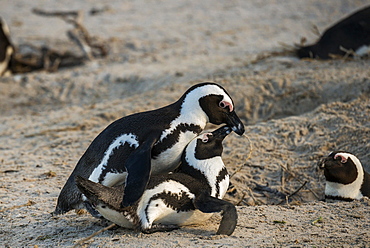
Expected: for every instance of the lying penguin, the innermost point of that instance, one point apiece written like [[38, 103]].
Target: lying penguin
[[350, 34], [135, 146], [187, 196], [346, 179]]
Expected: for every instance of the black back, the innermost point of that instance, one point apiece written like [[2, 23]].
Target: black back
[[350, 33]]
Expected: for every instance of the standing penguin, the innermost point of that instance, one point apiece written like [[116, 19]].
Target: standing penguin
[[135, 146], [188, 196], [346, 179]]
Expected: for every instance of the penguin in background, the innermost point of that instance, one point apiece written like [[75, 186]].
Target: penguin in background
[[188, 196], [350, 34], [345, 177], [6, 49], [132, 148]]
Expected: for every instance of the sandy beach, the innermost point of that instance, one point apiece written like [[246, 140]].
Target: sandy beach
[[294, 111]]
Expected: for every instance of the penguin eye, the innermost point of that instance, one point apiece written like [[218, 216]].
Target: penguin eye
[[224, 104], [205, 137], [342, 159]]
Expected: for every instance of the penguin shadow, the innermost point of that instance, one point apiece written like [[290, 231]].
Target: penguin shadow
[[196, 230]]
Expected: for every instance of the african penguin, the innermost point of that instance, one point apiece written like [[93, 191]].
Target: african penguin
[[135, 146], [188, 196], [6, 48], [349, 34], [346, 179]]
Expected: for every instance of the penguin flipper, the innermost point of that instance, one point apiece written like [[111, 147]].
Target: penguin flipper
[[138, 166], [209, 204]]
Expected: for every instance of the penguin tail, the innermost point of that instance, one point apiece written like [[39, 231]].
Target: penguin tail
[[96, 192]]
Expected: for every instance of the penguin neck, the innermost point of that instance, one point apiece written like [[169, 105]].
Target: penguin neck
[[351, 190], [192, 113]]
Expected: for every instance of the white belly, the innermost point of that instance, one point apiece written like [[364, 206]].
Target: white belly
[[114, 216], [363, 50], [165, 215]]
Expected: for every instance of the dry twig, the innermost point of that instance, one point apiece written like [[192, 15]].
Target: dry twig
[[93, 235], [29, 203], [299, 180], [249, 156], [295, 192]]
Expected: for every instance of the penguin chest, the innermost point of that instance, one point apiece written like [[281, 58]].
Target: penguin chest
[[215, 173], [351, 190], [169, 151], [221, 186]]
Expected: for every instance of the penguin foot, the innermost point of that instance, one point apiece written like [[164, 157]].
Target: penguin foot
[[57, 212], [160, 228]]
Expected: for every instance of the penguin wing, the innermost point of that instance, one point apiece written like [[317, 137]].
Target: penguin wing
[[209, 204], [138, 166]]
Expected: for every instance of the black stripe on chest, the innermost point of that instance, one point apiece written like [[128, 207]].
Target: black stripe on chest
[[171, 139], [199, 175], [179, 202], [221, 176]]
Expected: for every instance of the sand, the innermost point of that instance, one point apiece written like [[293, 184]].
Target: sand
[[295, 113]]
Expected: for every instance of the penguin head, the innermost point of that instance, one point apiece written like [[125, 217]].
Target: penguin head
[[209, 145], [340, 167], [215, 103]]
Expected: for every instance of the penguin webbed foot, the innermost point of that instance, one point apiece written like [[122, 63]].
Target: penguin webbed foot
[[57, 212], [208, 204], [160, 228]]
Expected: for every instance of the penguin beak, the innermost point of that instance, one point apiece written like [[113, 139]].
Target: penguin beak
[[321, 163], [221, 132], [235, 123]]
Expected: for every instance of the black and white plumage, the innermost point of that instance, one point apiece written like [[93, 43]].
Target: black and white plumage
[[345, 177], [349, 34], [188, 196], [6, 48], [135, 146]]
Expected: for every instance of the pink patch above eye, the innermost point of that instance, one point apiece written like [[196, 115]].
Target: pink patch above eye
[[224, 104], [343, 159], [205, 137]]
